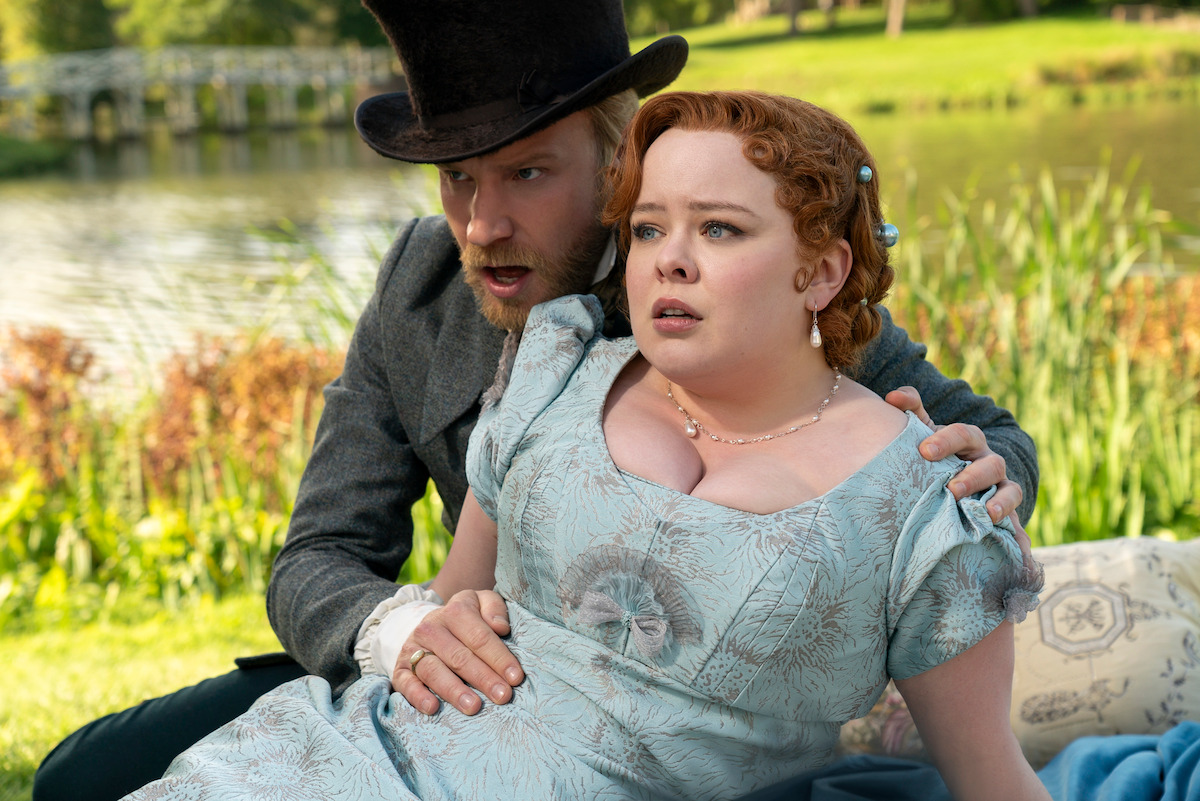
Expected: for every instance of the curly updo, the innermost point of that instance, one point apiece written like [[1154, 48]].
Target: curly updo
[[814, 157]]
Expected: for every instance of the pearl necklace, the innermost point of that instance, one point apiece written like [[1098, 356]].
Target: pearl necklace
[[692, 427]]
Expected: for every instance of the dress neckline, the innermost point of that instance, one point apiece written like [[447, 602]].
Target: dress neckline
[[625, 349]]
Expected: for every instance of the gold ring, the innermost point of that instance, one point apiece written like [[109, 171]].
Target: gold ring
[[417, 656]]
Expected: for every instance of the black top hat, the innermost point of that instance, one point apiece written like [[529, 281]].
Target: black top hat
[[484, 73]]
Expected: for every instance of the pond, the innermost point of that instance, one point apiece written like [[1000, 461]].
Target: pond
[[138, 245]]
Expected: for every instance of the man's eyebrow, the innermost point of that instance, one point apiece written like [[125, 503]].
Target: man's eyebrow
[[532, 158], [514, 162]]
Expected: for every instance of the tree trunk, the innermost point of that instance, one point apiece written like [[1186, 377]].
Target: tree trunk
[[793, 10], [895, 18], [828, 6]]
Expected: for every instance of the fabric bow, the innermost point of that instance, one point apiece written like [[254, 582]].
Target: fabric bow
[[649, 632]]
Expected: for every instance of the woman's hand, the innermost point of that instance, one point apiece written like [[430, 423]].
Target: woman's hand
[[462, 647], [967, 442]]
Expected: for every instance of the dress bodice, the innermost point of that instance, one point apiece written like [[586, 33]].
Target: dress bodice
[[775, 628]]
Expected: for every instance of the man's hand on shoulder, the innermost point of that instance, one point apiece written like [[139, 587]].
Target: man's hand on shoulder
[[967, 442], [456, 646]]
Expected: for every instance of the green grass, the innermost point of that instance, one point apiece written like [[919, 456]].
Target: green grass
[[934, 65], [56, 681]]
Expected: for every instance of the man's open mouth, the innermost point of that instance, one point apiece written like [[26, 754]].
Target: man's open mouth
[[506, 276]]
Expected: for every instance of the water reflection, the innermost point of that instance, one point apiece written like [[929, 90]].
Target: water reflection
[[989, 148], [139, 244]]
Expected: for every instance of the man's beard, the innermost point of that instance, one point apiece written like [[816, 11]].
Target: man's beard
[[567, 273]]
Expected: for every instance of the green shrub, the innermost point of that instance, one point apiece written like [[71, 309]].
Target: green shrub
[[18, 157]]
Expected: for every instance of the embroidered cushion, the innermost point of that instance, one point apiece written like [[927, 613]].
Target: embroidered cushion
[[1112, 649]]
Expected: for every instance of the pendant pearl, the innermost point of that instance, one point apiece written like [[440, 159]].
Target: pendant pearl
[[690, 429], [815, 337]]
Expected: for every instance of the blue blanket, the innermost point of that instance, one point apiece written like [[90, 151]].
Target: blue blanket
[[1128, 768], [1115, 768]]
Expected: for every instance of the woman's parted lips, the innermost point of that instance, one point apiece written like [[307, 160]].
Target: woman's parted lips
[[670, 307]]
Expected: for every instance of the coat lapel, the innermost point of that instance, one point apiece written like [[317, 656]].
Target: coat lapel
[[467, 353]]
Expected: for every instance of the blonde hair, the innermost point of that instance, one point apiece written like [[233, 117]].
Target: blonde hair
[[609, 118]]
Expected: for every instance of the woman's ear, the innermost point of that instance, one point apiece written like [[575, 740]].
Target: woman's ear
[[829, 273]]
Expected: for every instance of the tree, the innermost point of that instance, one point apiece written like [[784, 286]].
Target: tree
[[993, 10], [644, 17], [155, 23], [353, 23], [332, 22], [32, 27]]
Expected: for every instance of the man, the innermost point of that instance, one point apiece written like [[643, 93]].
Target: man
[[520, 105]]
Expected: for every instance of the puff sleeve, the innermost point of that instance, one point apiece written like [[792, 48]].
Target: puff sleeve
[[955, 576], [555, 340]]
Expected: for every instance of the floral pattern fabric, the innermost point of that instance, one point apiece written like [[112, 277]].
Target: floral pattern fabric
[[673, 648]]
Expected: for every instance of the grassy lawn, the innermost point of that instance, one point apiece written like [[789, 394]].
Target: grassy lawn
[[58, 680], [934, 65]]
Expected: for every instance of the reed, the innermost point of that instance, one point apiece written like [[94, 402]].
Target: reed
[[1064, 309]]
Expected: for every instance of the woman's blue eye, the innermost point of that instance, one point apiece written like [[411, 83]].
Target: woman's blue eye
[[644, 233], [715, 230]]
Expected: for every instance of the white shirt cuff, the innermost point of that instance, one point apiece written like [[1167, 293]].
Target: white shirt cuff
[[389, 626]]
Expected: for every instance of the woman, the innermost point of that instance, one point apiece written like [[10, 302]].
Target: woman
[[715, 548]]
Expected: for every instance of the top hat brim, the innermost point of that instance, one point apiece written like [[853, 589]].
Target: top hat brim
[[387, 123]]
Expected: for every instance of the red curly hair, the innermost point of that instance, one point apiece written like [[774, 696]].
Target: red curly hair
[[814, 157]]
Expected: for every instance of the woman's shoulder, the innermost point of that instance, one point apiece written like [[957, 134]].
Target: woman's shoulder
[[867, 436], [867, 420]]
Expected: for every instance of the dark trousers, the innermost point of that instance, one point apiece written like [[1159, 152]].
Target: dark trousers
[[113, 756]]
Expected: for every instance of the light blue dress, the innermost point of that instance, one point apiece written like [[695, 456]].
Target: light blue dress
[[673, 648]]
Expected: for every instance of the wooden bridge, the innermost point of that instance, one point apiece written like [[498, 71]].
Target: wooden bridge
[[171, 77]]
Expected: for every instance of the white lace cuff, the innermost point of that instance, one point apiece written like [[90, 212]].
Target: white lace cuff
[[389, 625]]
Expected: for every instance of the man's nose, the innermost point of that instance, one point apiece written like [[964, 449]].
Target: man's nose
[[490, 221]]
